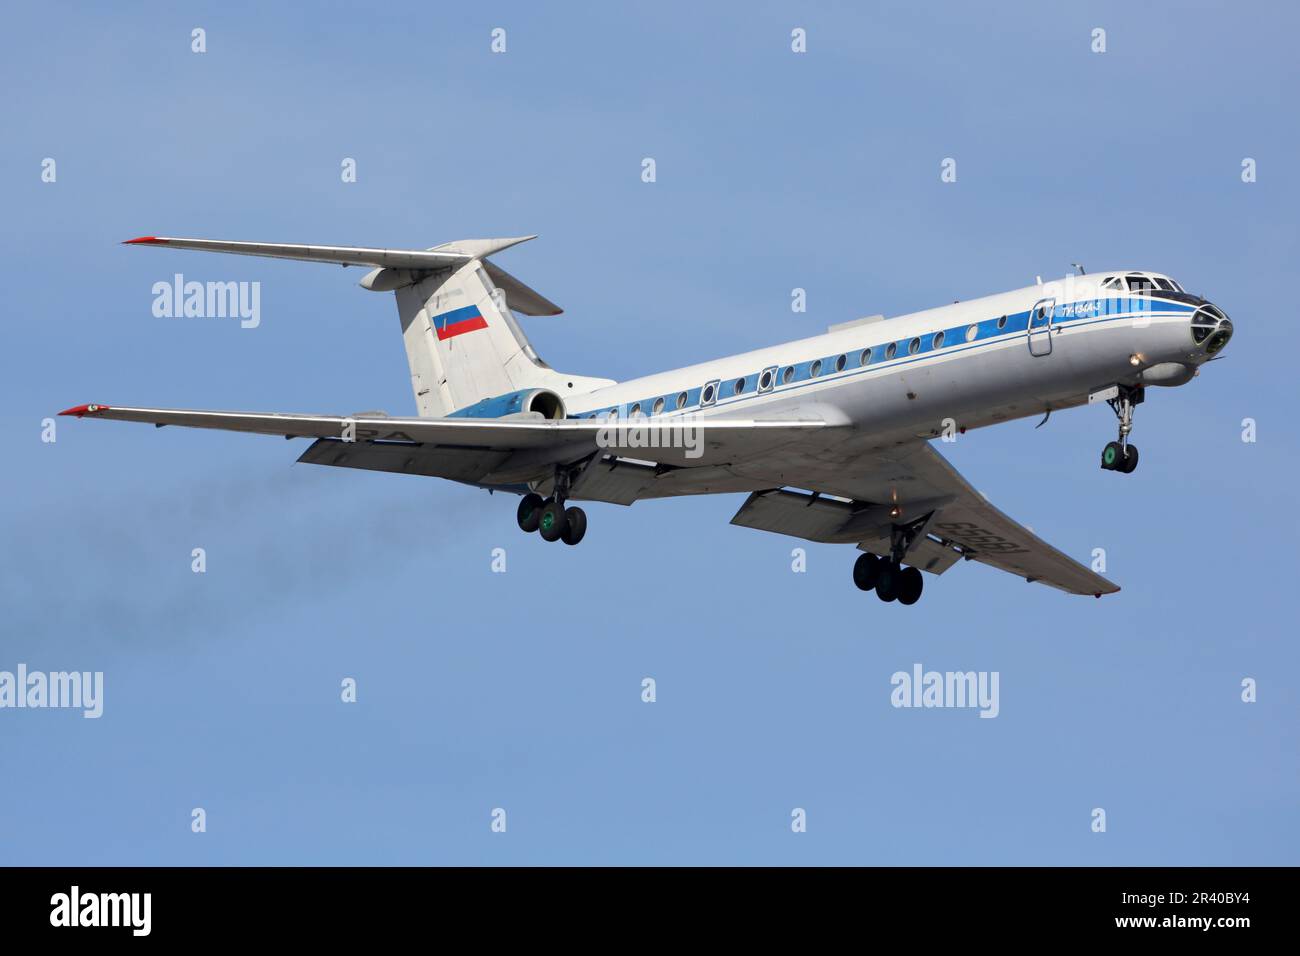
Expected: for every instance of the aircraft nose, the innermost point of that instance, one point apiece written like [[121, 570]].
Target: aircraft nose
[[1211, 329]]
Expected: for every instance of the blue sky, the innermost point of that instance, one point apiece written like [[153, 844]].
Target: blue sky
[[522, 690]]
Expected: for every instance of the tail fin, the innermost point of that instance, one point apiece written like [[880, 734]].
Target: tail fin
[[462, 343]]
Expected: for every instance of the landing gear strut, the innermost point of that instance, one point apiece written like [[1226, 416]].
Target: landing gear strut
[[887, 576], [549, 517], [1120, 455]]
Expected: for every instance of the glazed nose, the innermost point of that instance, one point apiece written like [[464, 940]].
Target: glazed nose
[[1211, 329]]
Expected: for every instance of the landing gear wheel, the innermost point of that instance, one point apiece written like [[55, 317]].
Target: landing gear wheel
[[1130, 460], [864, 571], [1120, 455], [552, 524], [887, 575], [910, 584], [530, 512], [575, 525]]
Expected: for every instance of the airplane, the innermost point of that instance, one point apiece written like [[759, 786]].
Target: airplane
[[830, 436]]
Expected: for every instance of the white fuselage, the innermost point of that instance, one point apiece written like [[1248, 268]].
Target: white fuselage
[[989, 366]]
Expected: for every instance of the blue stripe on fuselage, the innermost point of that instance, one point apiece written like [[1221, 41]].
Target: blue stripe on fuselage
[[1075, 314]]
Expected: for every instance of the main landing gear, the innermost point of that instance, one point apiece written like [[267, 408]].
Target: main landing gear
[[1120, 455], [887, 576], [548, 516], [890, 580]]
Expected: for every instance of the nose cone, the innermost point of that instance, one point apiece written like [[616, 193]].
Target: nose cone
[[1211, 329]]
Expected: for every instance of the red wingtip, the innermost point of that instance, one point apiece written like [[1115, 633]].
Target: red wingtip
[[80, 410], [146, 240]]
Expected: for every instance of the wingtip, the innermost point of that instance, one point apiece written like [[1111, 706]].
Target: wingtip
[[144, 240], [80, 410]]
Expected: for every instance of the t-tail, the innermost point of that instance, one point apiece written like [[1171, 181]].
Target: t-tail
[[466, 352]]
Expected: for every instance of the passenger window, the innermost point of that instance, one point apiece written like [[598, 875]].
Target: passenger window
[[938, 341], [865, 357], [971, 332], [710, 393], [659, 407], [816, 368], [681, 399], [739, 386], [913, 346], [787, 375], [891, 350]]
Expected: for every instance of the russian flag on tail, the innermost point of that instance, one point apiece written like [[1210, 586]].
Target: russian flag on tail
[[458, 322]]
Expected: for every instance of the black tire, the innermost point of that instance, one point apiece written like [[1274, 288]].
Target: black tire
[[864, 571], [1130, 460], [887, 573], [910, 585], [551, 524], [530, 512], [575, 525], [1112, 456]]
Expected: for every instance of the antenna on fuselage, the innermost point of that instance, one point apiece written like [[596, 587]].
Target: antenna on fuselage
[[1082, 270]]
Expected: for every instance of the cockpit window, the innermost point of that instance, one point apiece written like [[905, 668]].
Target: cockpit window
[[1111, 283], [1139, 284], [1164, 284]]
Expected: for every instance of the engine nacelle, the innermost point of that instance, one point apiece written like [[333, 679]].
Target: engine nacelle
[[540, 401]]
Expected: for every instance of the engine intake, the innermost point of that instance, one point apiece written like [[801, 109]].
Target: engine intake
[[535, 401]]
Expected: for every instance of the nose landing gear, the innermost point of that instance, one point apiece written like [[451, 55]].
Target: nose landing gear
[[1120, 455]]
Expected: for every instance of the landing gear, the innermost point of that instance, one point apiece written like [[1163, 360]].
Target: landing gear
[[549, 517], [575, 525], [887, 581], [530, 512], [910, 585], [551, 525], [887, 576], [865, 570], [1115, 457], [1120, 455]]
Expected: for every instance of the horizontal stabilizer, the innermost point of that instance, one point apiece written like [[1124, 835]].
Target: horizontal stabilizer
[[408, 265], [448, 255]]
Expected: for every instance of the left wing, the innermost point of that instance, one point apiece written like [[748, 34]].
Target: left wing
[[674, 441], [881, 491]]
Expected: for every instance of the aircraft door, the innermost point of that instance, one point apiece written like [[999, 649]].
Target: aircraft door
[[1040, 327]]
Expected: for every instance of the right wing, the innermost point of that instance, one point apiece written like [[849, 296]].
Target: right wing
[[876, 492]]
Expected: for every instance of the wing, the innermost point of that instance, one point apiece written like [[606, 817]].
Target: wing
[[884, 490], [529, 443]]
